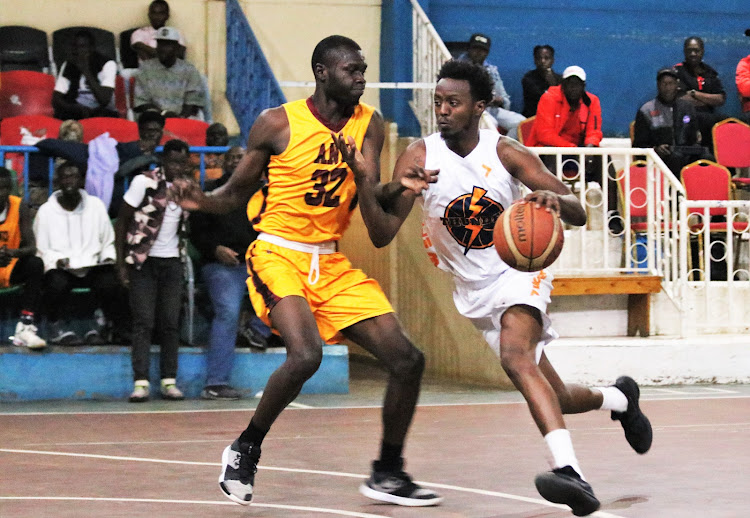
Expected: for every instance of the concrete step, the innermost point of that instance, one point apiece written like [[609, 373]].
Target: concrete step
[[105, 373], [652, 361]]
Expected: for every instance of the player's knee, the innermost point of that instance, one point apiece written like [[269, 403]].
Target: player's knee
[[515, 361], [304, 364], [409, 367]]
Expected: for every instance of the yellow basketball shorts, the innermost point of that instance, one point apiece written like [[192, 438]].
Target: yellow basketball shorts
[[341, 297]]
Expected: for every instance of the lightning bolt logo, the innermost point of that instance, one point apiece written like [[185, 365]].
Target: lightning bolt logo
[[476, 195]]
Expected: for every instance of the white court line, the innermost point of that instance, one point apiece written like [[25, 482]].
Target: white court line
[[482, 492], [688, 397], [723, 391], [198, 502]]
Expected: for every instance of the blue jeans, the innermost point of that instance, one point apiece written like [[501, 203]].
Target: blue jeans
[[227, 290]]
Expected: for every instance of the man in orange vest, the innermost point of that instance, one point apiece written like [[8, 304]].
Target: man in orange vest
[[18, 262]]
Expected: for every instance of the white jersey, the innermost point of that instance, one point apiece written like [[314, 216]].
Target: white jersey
[[461, 208], [460, 211]]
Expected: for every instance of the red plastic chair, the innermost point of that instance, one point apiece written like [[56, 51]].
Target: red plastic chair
[[732, 146], [39, 126], [124, 94], [191, 131], [707, 180], [524, 129], [122, 130], [25, 92]]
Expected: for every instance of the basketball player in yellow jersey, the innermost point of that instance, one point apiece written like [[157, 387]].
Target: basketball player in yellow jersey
[[298, 281]]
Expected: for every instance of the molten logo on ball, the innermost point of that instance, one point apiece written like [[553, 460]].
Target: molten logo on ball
[[528, 238]]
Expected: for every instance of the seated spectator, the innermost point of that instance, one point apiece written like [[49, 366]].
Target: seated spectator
[[570, 116], [700, 85], [134, 157], [668, 124], [535, 82], [222, 241], [742, 78], [75, 239], [143, 40], [499, 108], [86, 83], [216, 135], [18, 262], [150, 240], [167, 83]]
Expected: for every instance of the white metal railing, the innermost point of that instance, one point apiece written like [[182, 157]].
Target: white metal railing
[[429, 54], [618, 239], [715, 291]]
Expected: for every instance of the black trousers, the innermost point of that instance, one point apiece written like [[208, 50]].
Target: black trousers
[[103, 282], [29, 270], [156, 297]]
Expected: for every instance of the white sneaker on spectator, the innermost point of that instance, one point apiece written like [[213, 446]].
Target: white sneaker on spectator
[[141, 392], [170, 391], [26, 337]]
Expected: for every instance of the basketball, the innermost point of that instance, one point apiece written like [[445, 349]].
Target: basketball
[[528, 238]]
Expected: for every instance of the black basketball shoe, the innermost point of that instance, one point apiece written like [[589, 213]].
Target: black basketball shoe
[[565, 486], [637, 427], [397, 487], [239, 465]]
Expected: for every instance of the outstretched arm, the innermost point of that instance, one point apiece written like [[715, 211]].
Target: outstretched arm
[[268, 136], [384, 207], [547, 190]]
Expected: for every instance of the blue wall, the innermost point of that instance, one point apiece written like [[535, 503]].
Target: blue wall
[[620, 44]]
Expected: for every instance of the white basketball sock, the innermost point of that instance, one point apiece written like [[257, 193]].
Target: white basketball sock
[[613, 399], [561, 447]]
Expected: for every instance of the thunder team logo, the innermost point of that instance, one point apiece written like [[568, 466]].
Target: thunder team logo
[[470, 219]]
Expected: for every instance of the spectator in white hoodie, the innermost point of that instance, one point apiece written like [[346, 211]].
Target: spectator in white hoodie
[[75, 239]]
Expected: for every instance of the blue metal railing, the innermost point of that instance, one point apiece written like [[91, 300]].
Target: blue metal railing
[[28, 150], [251, 85]]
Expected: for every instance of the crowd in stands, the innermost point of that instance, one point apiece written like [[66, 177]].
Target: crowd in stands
[[110, 228]]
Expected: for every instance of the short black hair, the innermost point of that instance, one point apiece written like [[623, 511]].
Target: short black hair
[[326, 46], [697, 39], [480, 82], [177, 145], [5, 173], [159, 2], [540, 48], [67, 164], [151, 116]]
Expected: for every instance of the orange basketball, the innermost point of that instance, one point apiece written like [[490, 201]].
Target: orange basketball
[[528, 238]]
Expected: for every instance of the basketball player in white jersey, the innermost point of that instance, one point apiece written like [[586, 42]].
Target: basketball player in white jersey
[[464, 178]]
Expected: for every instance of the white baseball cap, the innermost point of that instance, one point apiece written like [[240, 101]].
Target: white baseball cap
[[168, 33], [574, 71]]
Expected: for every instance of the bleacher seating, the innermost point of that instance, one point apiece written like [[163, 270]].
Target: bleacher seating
[[23, 48], [25, 92], [191, 131], [122, 130], [12, 133], [104, 43]]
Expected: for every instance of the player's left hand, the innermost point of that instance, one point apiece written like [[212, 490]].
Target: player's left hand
[[546, 199], [349, 153]]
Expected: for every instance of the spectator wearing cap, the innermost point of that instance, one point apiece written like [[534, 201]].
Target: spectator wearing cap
[[535, 82], [167, 83], [742, 78], [499, 108], [668, 124], [143, 40], [570, 116], [85, 85]]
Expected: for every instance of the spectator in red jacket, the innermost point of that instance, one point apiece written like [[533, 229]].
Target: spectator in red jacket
[[569, 116], [742, 78]]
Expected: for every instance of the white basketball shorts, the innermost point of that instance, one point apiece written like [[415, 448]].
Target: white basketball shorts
[[485, 304]]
